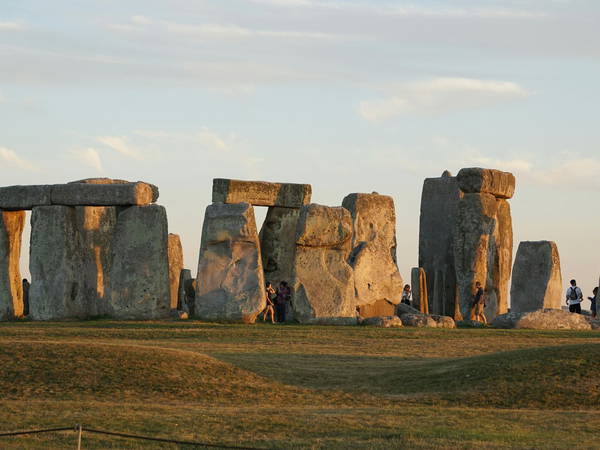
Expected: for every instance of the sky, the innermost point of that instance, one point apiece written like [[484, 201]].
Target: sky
[[349, 96]]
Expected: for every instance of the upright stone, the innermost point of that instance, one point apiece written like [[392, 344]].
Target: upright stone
[[278, 243], [536, 279], [175, 252], [474, 247], [186, 292], [419, 290], [139, 275], [323, 281], [11, 288], [230, 277], [439, 215], [261, 193], [503, 238], [377, 281], [55, 264]]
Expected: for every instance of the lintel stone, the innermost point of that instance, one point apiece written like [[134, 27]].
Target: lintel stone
[[261, 193]]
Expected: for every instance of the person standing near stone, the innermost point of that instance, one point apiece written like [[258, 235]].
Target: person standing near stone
[[406, 294], [281, 301], [478, 304], [574, 298], [592, 300], [26, 286], [269, 309]]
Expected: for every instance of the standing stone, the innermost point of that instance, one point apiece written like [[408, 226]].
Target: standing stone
[[536, 279], [377, 281], [439, 215], [230, 281], [184, 301], [420, 300], [323, 282], [96, 227], [139, 275], [473, 245], [503, 238], [175, 252], [11, 288], [55, 264]]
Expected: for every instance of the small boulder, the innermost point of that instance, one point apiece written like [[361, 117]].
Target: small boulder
[[444, 321], [543, 319], [382, 322], [418, 320]]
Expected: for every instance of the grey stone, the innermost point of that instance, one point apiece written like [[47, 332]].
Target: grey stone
[[382, 322], [186, 292], [487, 181], [175, 252], [139, 275], [19, 198], [418, 320], [323, 282], [377, 280], [155, 191], [536, 279], [543, 319], [261, 193], [11, 286], [438, 220], [402, 308], [231, 284], [469, 324], [55, 264], [90, 194]]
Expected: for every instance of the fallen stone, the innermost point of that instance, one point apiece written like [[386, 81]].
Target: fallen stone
[[418, 320], [175, 253], [139, 275], [543, 319], [373, 257], [231, 284], [20, 198], [402, 308], [11, 286], [443, 321], [90, 194], [487, 181], [323, 282], [261, 193], [382, 322], [55, 263], [536, 279]]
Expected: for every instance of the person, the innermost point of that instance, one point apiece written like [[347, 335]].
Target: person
[[281, 301], [269, 309], [574, 298], [593, 302], [26, 286], [406, 295], [478, 304]]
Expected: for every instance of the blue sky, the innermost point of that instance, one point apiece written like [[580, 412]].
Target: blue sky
[[350, 96]]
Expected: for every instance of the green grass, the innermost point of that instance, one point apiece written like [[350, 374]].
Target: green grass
[[299, 386]]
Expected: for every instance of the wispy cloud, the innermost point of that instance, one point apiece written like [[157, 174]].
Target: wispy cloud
[[439, 96], [121, 144], [11, 26], [89, 157], [10, 159]]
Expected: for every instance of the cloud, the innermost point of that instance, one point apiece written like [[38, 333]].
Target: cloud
[[213, 141], [440, 95], [121, 145], [11, 26], [89, 157], [10, 159]]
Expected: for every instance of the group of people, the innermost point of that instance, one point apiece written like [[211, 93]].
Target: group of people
[[277, 301], [575, 297]]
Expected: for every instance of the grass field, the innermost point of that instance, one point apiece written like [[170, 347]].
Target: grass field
[[287, 386]]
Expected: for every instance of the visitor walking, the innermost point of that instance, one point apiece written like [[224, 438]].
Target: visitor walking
[[281, 301], [574, 298], [478, 304], [593, 302], [270, 308], [406, 295]]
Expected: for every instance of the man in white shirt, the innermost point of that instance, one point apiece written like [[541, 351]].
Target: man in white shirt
[[574, 298]]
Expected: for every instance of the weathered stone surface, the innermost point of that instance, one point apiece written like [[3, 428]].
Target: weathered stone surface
[[155, 191], [380, 308], [439, 215], [444, 321], [323, 282], [543, 319], [474, 247], [536, 279], [230, 281], [420, 296], [175, 252], [55, 264], [382, 322], [503, 254], [278, 243], [418, 320], [90, 194], [402, 308], [186, 292], [11, 287], [95, 227], [487, 181], [139, 274], [261, 193], [373, 256], [19, 198]]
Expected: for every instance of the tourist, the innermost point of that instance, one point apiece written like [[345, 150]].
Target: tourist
[[281, 301], [574, 298], [593, 302], [26, 286], [478, 304], [269, 309], [406, 294]]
